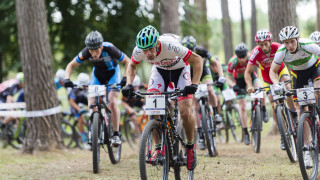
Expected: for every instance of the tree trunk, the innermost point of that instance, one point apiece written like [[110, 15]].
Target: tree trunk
[[253, 23], [243, 31], [201, 6], [281, 13], [40, 90], [227, 35], [170, 16], [318, 14]]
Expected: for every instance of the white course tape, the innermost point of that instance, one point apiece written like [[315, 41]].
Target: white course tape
[[13, 105], [40, 113]]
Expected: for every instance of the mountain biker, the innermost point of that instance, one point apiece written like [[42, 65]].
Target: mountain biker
[[263, 54], [236, 68], [206, 78], [130, 104], [104, 57], [8, 89], [315, 36], [170, 64], [76, 97], [59, 79], [302, 56]]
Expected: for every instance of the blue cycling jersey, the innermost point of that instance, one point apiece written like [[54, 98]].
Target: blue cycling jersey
[[107, 60]]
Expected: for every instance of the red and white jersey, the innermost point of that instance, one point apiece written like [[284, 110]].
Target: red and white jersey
[[257, 56], [171, 54]]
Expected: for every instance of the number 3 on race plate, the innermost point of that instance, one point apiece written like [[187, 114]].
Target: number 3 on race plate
[[305, 96], [155, 105]]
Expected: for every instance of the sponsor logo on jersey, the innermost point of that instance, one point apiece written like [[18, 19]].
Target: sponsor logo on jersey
[[176, 49]]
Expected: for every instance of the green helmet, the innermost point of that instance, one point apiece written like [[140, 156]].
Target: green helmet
[[20, 77], [147, 38]]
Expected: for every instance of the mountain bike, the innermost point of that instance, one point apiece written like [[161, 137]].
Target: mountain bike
[[100, 129], [130, 130], [307, 142], [70, 133], [256, 118], [13, 134], [287, 127], [207, 122], [232, 117], [165, 130]]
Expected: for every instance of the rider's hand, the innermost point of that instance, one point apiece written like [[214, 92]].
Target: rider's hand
[[68, 83], [123, 82], [127, 91], [236, 88], [222, 79], [82, 111], [191, 89], [131, 111], [250, 89], [277, 87]]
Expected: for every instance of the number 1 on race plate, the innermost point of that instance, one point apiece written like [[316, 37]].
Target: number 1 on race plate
[[305, 96], [96, 90], [155, 105]]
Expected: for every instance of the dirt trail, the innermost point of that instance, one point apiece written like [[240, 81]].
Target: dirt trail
[[235, 161]]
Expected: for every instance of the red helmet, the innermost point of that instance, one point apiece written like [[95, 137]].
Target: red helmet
[[263, 35]]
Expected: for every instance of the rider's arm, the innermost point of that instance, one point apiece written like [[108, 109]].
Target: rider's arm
[[273, 72], [74, 104], [10, 99], [229, 81], [230, 70], [197, 63], [126, 62], [247, 75], [127, 107], [216, 66], [131, 72], [73, 64]]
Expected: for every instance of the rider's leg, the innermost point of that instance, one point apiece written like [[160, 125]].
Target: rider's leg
[[187, 118], [80, 123], [257, 84], [115, 111], [243, 113]]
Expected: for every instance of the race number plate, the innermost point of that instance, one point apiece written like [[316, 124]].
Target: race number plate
[[275, 94], [96, 90], [228, 94], [155, 105], [257, 95], [306, 96], [201, 91]]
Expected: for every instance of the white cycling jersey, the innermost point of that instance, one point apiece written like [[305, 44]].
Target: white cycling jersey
[[171, 54], [303, 59]]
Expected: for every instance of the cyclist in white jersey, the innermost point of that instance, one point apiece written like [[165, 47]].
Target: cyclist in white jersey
[[170, 64], [301, 56]]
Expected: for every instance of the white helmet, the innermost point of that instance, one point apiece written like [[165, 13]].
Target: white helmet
[[263, 35], [83, 79], [136, 81], [289, 32], [315, 36], [60, 74]]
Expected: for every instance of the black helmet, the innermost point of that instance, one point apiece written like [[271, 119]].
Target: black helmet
[[190, 42], [94, 40], [241, 50]]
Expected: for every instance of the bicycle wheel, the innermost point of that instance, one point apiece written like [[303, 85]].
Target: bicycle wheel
[[286, 133], [223, 137], [95, 130], [114, 152], [208, 129], [307, 143], [234, 123], [160, 163], [256, 129], [129, 132], [67, 133]]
